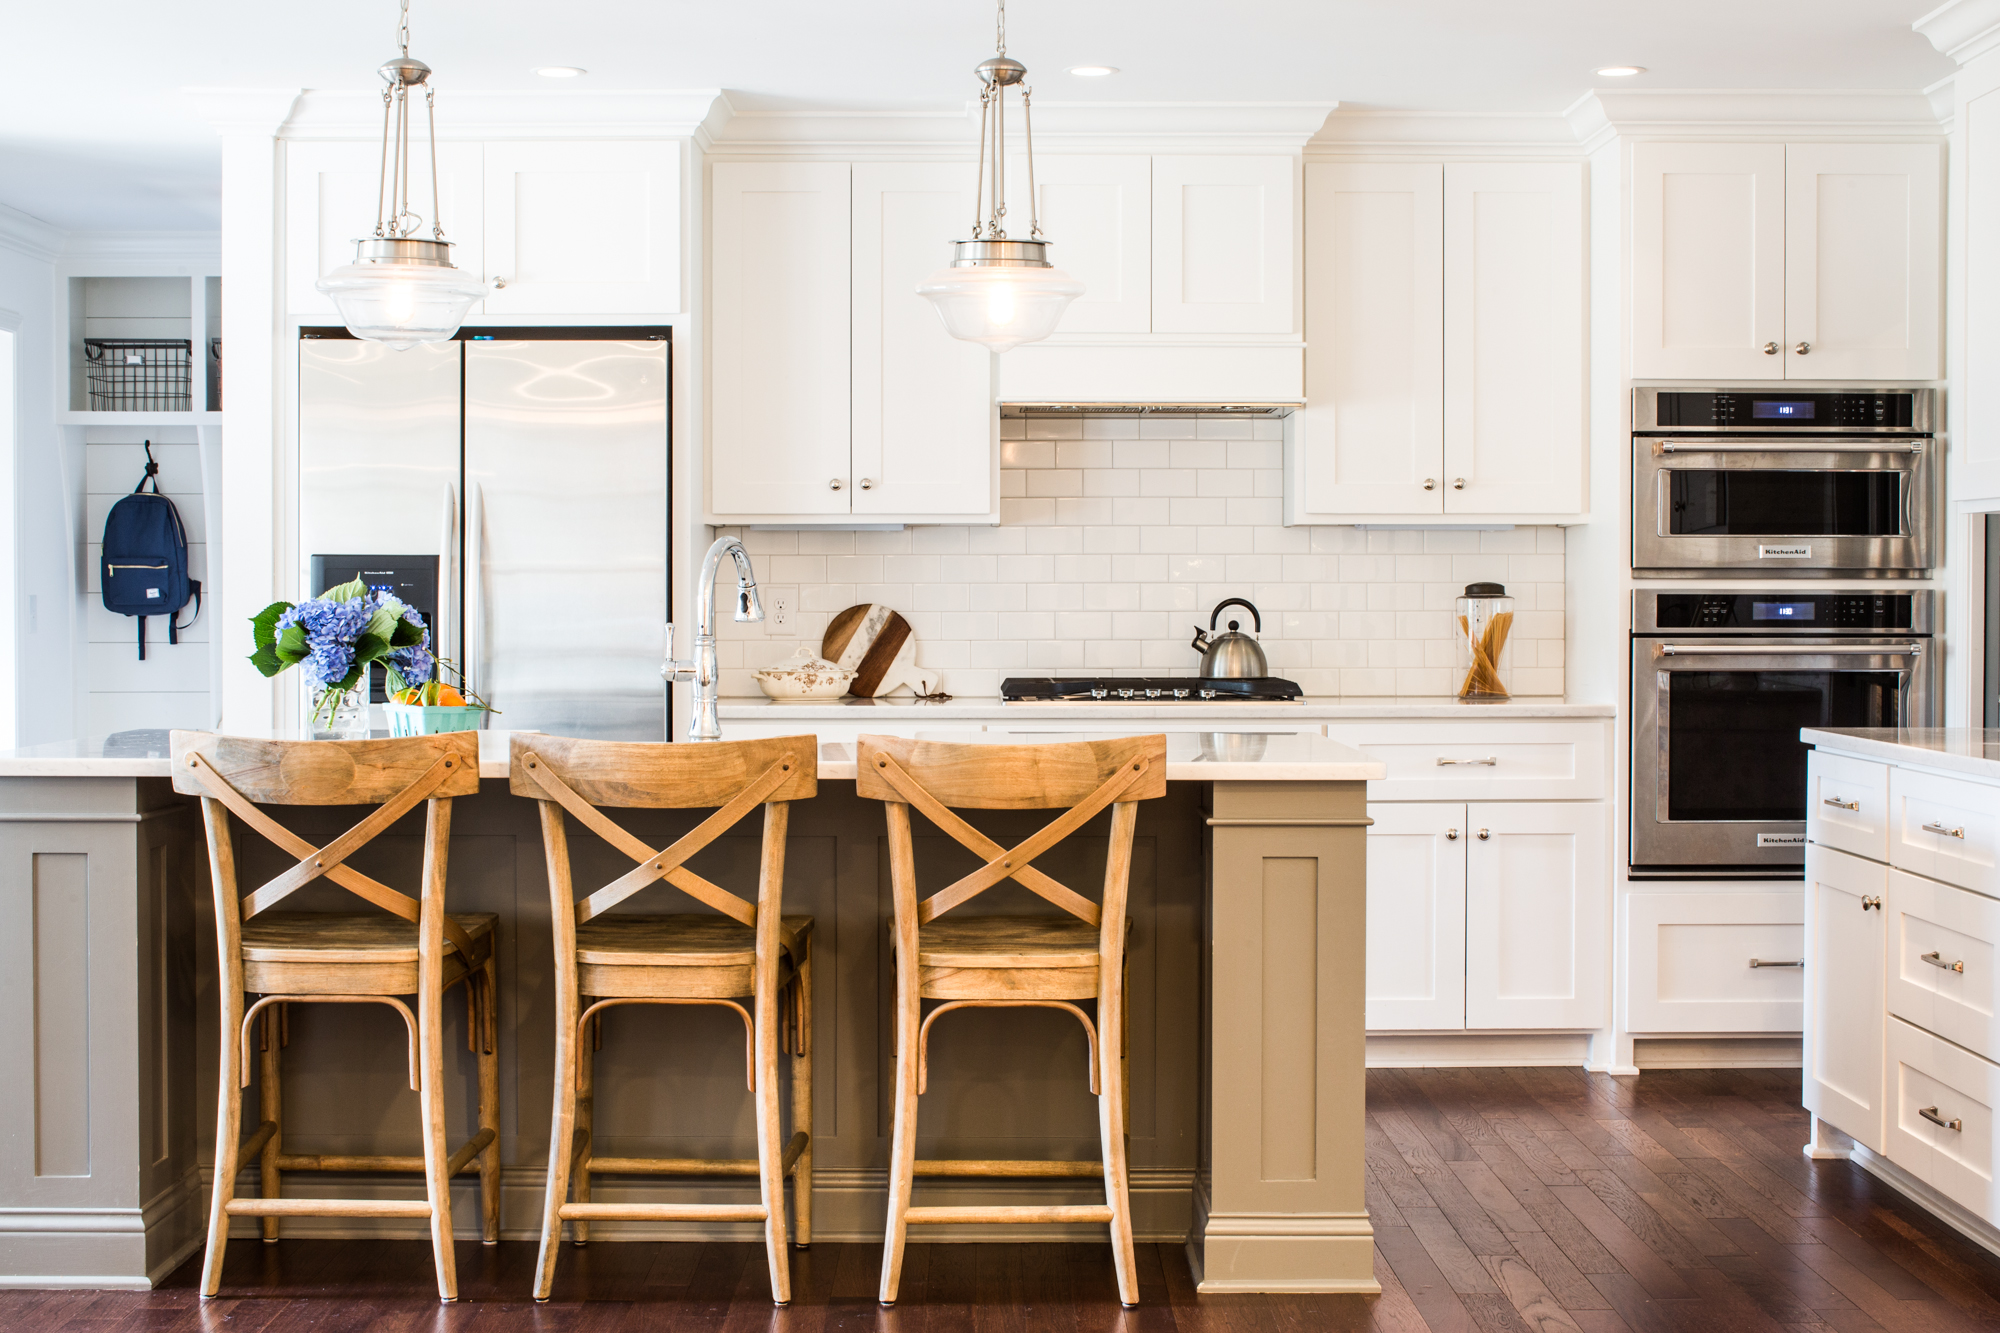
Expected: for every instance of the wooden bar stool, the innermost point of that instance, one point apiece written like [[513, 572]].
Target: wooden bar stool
[[1011, 961], [409, 947], [748, 950]]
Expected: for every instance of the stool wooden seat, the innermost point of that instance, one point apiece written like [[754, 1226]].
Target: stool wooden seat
[[738, 950], [1010, 961], [408, 946]]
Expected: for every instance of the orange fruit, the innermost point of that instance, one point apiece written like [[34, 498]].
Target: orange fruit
[[449, 697]]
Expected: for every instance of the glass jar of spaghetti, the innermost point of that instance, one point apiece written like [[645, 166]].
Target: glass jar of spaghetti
[[1484, 617]]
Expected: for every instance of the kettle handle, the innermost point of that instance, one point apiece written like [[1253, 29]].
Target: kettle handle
[[1216, 614]]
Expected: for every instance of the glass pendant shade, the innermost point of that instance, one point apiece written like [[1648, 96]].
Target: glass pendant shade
[[400, 295], [1001, 307]]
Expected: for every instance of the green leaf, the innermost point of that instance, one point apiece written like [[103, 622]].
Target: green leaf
[[393, 679], [369, 647], [351, 591], [382, 625], [267, 661], [264, 625], [406, 635], [292, 646]]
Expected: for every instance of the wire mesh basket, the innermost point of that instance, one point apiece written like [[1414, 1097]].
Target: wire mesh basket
[[140, 374]]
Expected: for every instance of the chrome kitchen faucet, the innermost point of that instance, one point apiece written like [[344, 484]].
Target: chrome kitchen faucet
[[701, 669]]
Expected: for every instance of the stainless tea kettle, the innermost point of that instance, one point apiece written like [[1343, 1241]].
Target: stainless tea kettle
[[1231, 656]]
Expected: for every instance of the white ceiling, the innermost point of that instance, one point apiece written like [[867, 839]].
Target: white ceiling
[[102, 140]]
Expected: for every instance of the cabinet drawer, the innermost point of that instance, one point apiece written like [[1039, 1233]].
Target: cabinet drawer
[[1847, 805], [1941, 963], [1958, 1089], [1945, 828], [1482, 761], [1716, 962]]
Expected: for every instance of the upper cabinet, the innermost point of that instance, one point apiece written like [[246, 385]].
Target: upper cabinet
[[1444, 308], [835, 393], [1098, 215], [1222, 245], [511, 210], [1774, 261]]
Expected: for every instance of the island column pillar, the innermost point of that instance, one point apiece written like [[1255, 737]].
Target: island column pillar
[[1280, 1194]]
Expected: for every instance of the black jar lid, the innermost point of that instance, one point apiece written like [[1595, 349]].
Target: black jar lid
[[1485, 590]]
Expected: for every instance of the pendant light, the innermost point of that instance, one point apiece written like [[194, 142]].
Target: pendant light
[[999, 291], [401, 288]]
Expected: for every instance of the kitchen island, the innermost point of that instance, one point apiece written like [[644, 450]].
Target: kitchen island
[[1244, 1035]]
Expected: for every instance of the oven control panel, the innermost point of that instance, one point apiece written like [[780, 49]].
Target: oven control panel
[[1797, 411], [1778, 612]]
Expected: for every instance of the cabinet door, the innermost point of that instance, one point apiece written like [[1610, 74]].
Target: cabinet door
[[1371, 439], [1513, 338], [1537, 891], [1844, 1014], [584, 228], [1715, 962], [925, 432], [1097, 213], [1708, 261], [331, 190], [778, 405], [1416, 917], [1862, 277], [1222, 245]]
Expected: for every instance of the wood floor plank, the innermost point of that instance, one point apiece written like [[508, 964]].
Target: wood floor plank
[[1520, 1136], [1539, 1308], [1424, 1281], [1645, 1223], [1674, 1210], [1553, 1265], [1640, 1261]]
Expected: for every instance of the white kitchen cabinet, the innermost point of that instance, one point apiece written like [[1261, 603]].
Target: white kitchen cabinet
[[1708, 261], [1097, 213], [1844, 1013], [1946, 827], [1514, 351], [331, 191], [1535, 923], [1863, 231], [924, 429], [1223, 244], [1939, 969], [1444, 318], [1715, 962], [1847, 804], [779, 402], [1416, 917], [1373, 429], [583, 228], [1941, 1122]]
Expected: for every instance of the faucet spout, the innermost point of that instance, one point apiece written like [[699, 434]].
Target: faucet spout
[[701, 671]]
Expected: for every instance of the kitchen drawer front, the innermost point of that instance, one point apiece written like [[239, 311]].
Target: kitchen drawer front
[[1035, 731], [1533, 760], [1716, 962], [1847, 804], [1927, 1073], [1941, 960], [1946, 828]]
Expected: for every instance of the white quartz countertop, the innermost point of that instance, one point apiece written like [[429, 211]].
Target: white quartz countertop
[[1190, 758], [1967, 750], [1310, 709]]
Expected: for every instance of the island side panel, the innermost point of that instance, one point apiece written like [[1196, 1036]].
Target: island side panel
[[1284, 1206]]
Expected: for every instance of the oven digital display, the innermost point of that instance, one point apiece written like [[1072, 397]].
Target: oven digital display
[[1781, 610], [1765, 409]]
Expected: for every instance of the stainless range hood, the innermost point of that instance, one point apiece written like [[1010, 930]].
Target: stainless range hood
[[1268, 410]]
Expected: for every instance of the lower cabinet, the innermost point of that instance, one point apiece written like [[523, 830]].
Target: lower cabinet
[[1844, 992], [1487, 915], [1715, 962], [1940, 1104]]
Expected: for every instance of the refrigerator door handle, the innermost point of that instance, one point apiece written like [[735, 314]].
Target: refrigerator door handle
[[474, 664], [447, 575]]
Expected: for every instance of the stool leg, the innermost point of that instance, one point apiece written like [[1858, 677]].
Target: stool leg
[[271, 1107], [770, 1147], [486, 1036], [228, 1135], [802, 1101], [903, 1145], [562, 1143], [1111, 1113], [586, 1085], [430, 1044]]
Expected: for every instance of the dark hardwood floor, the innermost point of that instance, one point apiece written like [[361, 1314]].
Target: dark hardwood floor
[[1504, 1200]]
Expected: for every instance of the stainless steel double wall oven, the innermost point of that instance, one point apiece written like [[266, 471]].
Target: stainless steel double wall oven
[[1776, 486]]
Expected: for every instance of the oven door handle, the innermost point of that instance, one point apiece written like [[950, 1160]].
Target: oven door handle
[[1783, 650], [1792, 447]]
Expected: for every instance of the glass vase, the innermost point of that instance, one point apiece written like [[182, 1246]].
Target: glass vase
[[340, 715]]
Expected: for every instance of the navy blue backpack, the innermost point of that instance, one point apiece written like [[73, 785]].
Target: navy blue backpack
[[145, 560]]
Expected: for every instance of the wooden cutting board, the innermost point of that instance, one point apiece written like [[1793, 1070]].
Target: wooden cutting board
[[878, 645]]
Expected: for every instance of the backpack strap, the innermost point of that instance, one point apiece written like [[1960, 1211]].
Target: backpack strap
[[152, 475], [173, 629], [142, 638]]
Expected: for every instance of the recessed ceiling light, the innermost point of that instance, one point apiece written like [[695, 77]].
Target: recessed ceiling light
[[562, 71], [1621, 71], [1092, 71]]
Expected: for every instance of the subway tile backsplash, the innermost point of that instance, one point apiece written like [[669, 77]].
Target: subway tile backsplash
[[1117, 536]]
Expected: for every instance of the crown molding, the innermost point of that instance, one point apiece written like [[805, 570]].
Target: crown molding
[[243, 110], [1065, 127], [148, 252], [1962, 29], [1372, 131], [1751, 113], [321, 113], [27, 235]]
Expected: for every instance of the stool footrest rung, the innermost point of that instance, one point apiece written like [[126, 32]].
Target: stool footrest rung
[[1090, 1212], [979, 1166], [253, 1145], [328, 1208], [691, 1166], [468, 1150], [662, 1212]]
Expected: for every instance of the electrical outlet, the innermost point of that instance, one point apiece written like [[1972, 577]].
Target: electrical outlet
[[781, 610]]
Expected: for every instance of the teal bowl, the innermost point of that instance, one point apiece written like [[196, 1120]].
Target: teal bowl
[[429, 720]]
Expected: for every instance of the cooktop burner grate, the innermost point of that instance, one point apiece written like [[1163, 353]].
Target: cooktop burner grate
[[1147, 689]]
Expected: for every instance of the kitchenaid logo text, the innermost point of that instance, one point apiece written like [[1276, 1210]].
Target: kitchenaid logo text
[[1784, 552], [1781, 839]]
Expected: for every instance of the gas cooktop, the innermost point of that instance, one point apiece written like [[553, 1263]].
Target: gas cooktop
[[1148, 690]]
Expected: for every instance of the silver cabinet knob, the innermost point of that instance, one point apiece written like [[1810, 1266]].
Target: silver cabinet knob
[[498, 283], [1803, 348], [867, 484], [1458, 483], [1867, 903], [835, 483], [1451, 835], [1430, 483], [1770, 349], [1484, 835]]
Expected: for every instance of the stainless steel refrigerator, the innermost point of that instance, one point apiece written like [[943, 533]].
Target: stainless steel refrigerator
[[529, 470]]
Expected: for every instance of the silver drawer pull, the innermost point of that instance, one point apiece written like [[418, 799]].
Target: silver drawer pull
[[1490, 761], [1948, 832], [1839, 804], [1930, 1113], [1936, 959], [1777, 962]]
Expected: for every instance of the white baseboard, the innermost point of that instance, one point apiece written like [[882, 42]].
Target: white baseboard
[[1444, 1050], [1947, 1210], [1755, 1052]]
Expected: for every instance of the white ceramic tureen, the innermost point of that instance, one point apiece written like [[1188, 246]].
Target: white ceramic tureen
[[804, 677]]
